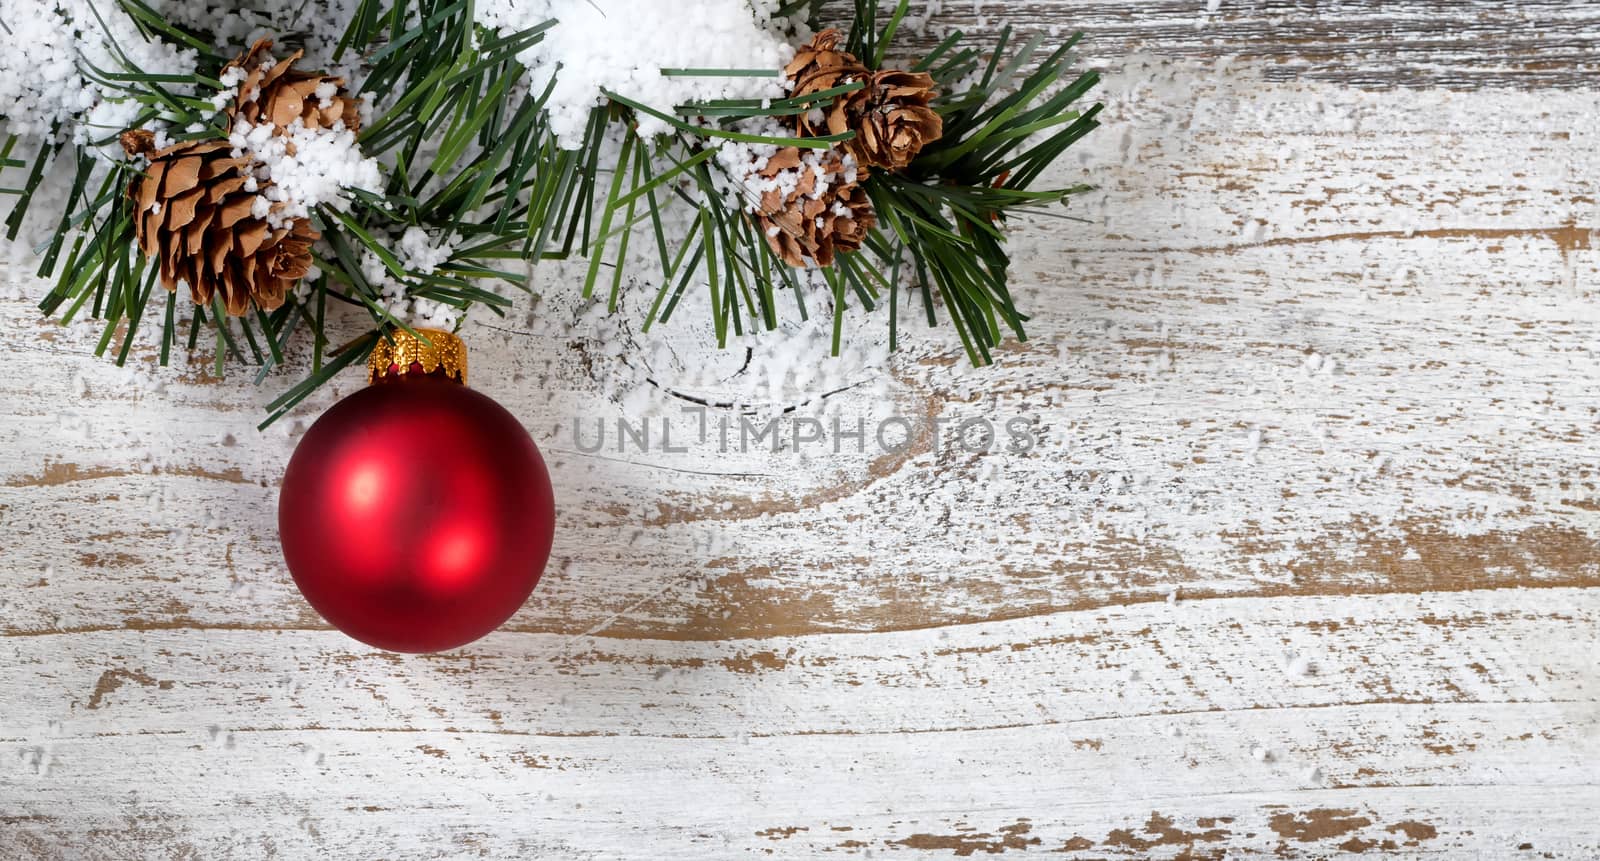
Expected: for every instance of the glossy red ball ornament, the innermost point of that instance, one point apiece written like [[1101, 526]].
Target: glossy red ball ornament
[[416, 514]]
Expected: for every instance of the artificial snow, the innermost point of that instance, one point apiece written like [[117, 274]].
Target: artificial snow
[[46, 47], [741, 164], [418, 251], [622, 46], [301, 169]]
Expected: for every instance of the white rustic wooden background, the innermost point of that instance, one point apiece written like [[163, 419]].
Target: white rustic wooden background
[[1308, 565]]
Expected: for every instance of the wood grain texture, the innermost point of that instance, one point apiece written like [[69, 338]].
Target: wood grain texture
[[1457, 44], [1305, 565]]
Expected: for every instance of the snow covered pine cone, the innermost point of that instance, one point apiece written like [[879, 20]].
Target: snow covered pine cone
[[807, 222], [277, 93], [196, 206], [890, 115], [194, 216]]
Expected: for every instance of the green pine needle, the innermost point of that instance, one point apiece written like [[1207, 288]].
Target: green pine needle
[[498, 185]]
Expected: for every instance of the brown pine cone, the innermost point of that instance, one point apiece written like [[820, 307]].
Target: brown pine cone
[[803, 224], [194, 217], [894, 122], [822, 66], [276, 93], [890, 115]]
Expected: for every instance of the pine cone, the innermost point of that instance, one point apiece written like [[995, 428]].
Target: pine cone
[[807, 223], [890, 115], [277, 94], [821, 66], [193, 215], [894, 122]]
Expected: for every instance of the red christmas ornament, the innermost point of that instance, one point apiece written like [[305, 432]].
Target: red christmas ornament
[[416, 514]]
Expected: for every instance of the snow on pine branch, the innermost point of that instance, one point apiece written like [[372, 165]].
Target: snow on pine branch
[[303, 168], [622, 46], [42, 62]]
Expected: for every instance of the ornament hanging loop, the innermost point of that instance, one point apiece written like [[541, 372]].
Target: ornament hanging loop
[[436, 353]]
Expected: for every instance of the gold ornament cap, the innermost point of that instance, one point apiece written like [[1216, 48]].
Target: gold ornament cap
[[442, 354]]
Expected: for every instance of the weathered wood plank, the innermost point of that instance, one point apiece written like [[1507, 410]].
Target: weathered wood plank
[[349, 794], [1084, 667], [1304, 726], [1416, 43]]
